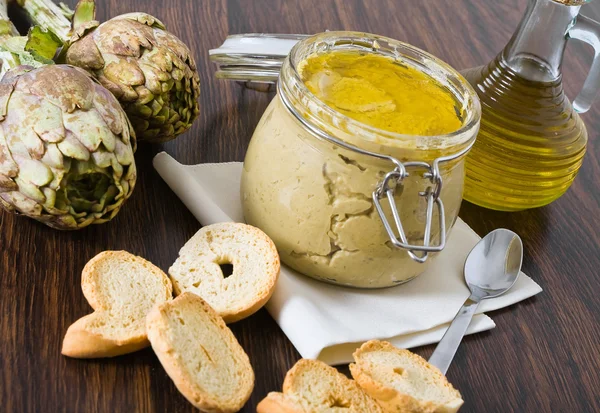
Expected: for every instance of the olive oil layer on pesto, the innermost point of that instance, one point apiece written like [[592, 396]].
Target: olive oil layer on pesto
[[381, 92]]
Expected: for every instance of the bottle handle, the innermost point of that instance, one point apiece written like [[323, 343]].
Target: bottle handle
[[587, 30]]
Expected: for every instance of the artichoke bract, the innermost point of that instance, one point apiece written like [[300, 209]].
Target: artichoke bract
[[149, 70], [66, 147]]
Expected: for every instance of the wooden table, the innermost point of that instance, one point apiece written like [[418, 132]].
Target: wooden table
[[541, 357]]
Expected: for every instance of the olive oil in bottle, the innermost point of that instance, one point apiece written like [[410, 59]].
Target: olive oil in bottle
[[532, 141]]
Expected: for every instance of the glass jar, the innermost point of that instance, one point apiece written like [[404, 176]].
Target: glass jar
[[312, 176]]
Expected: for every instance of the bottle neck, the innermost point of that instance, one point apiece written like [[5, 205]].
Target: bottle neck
[[536, 49]]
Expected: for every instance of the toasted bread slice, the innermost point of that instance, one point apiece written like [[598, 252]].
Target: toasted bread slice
[[402, 381], [200, 354], [255, 269], [313, 386], [121, 288]]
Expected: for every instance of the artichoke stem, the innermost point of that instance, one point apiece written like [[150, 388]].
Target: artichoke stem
[[7, 29], [47, 14]]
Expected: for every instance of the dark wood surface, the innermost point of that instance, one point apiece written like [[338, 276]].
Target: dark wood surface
[[541, 357]]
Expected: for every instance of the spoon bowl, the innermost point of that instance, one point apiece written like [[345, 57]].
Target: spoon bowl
[[493, 265]]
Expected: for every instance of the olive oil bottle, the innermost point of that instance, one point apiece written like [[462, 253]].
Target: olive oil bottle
[[532, 141]]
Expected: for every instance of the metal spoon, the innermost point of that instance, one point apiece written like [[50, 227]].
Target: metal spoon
[[491, 269]]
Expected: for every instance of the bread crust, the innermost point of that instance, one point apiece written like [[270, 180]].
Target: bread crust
[[266, 290], [83, 344], [276, 402], [161, 339], [80, 341], [388, 397]]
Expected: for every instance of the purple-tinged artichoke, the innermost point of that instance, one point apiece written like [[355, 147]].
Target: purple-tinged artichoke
[[150, 71], [66, 147]]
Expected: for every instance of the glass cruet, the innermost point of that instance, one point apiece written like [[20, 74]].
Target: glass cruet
[[532, 141]]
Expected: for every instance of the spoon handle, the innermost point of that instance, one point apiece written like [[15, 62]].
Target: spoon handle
[[446, 349]]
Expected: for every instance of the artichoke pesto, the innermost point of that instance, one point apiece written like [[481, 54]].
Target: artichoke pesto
[[66, 147]]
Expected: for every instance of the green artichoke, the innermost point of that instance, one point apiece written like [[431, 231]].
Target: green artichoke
[[148, 69], [66, 147]]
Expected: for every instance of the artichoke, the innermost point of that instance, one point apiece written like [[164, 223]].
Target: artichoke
[[66, 147], [148, 69]]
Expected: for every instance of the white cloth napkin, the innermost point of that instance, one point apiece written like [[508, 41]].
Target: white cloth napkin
[[329, 322]]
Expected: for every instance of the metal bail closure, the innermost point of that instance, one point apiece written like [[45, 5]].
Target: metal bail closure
[[387, 189]]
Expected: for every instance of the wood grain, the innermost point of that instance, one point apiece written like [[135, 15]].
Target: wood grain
[[543, 354]]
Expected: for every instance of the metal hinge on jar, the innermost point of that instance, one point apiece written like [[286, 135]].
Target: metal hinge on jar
[[253, 57]]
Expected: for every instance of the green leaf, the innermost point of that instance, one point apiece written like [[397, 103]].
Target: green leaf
[[85, 12], [66, 10], [31, 59], [13, 54], [42, 42], [9, 60], [6, 28]]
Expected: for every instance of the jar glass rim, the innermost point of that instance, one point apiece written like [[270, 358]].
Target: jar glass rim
[[434, 67]]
